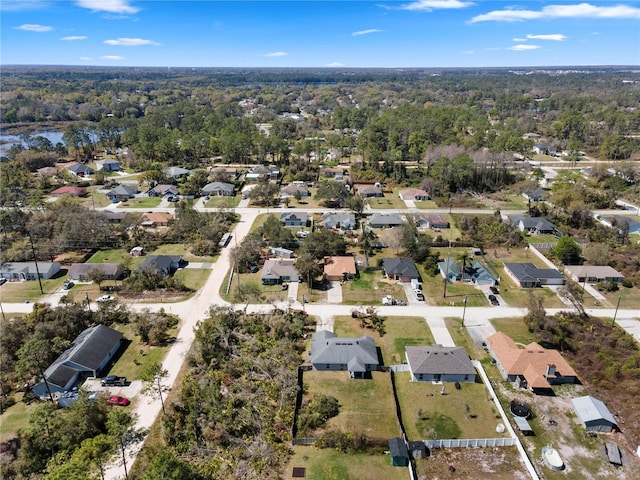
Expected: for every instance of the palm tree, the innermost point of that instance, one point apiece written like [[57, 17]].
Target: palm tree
[[462, 259]]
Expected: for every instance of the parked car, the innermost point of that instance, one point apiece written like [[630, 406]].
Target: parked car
[[419, 296], [105, 298], [117, 400], [68, 285], [173, 199], [494, 301], [3, 281], [111, 380], [494, 290]]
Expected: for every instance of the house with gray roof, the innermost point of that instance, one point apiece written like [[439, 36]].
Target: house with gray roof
[[594, 415], [218, 189], [122, 193], [533, 225], [80, 271], [87, 356], [277, 270], [338, 220], [358, 356], [370, 191], [527, 275], [474, 272], [436, 363], [534, 195], [108, 165], [294, 219], [177, 172], [165, 265], [162, 190], [269, 172], [593, 273], [28, 270], [293, 190], [400, 268], [385, 220], [81, 170]]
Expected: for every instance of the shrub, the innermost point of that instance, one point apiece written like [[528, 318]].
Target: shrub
[[626, 283]]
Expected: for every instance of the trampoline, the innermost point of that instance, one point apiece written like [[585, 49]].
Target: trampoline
[[520, 410]]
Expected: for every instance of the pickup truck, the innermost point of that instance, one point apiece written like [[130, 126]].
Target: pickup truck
[[112, 380]]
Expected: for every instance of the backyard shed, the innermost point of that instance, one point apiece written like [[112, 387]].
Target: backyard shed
[[523, 426], [399, 452], [613, 453], [594, 415]]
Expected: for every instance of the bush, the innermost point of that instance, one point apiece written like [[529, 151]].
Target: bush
[[607, 286], [626, 283]]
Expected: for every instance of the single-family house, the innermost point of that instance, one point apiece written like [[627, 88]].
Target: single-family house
[[337, 173], [532, 367], [534, 195], [370, 191], [281, 252], [164, 265], [122, 193], [87, 356], [46, 172], [533, 225], [622, 223], [108, 165], [70, 190], [527, 275], [358, 356], [384, 220], [177, 172], [339, 268], [227, 173], [293, 190], [594, 415], [338, 220], [400, 268], [219, 189], [593, 273], [80, 271], [294, 219], [112, 217], [544, 149], [435, 221], [474, 272], [163, 190], [81, 170], [29, 270], [156, 219], [276, 270], [436, 363], [416, 194], [269, 172], [398, 452]]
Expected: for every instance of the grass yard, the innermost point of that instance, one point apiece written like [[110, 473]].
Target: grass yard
[[16, 292], [15, 418], [501, 463], [462, 339], [629, 298], [515, 329], [223, 202], [390, 200], [142, 202], [369, 289], [427, 414], [330, 464], [179, 249], [116, 255], [193, 278], [400, 332], [268, 293], [519, 297], [93, 199], [433, 287], [511, 202], [425, 204], [366, 406]]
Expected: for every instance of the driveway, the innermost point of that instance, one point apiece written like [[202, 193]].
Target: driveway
[[334, 294], [411, 295], [292, 292]]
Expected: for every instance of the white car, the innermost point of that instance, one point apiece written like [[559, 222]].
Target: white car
[[105, 298]]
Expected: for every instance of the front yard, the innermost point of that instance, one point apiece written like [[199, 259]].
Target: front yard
[[29, 290], [370, 288]]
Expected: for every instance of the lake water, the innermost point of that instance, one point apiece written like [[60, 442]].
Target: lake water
[[7, 141]]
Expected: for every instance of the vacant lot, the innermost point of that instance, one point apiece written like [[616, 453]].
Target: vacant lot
[[428, 414], [370, 288], [473, 463], [329, 464], [390, 200], [366, 406], [400, 332]]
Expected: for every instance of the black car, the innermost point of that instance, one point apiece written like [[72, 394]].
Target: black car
[[68, 285], [173, 199], [494, 301], [494, 290]]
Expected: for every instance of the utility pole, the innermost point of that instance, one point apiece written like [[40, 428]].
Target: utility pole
[[464, 309], [615, 314], [35, 260]]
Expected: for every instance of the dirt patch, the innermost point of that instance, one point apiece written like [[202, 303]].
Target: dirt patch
[[472, 463]]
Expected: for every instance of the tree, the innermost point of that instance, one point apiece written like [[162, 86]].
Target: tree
[[32, 357], [97, 276], [462, 259], [332, 194], [355, 203], [308, 268], [152, 377], [322, 243], [596, 254], [567, 251], [120, 428], [166, 465]]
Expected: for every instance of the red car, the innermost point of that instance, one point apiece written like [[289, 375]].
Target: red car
[[116, 400]]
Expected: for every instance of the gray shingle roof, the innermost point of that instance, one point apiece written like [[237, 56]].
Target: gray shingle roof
[[385, 219], [528, 272], [401, 266], [531, 223], [436, 359], [328, 348]]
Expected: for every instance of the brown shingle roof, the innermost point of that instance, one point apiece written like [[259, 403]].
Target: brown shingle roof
[[334, 266]]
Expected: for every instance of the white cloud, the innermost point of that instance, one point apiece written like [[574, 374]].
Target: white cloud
[[112, 57], [72, 38], [554, 37], [34, 27], [86, 59], [276, 54], [430, 5], [16, 5], [581, 10], [468, 52], [130, 42], [519, 39], [365, 32], [113, 6], [335, 64], [523, 48]]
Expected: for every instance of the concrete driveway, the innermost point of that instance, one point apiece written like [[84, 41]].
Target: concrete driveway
[[334, 294]]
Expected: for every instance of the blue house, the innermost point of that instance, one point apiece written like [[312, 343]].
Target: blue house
[[474, 272]]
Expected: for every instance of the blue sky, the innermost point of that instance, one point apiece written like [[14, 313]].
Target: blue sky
[[380, 33]]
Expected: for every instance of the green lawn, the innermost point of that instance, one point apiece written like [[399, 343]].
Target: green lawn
[[369, 289], [519, 297], [116, 255], [433, 288], [464, 413], [513, 202], [390, 200], [179, 249], [462, 339], [426, 204], [15, 418], [223, 202], [142, 202], [16, 292], [400, 332], [330, 464], [514, 328], [366, 406], [193, 278]]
